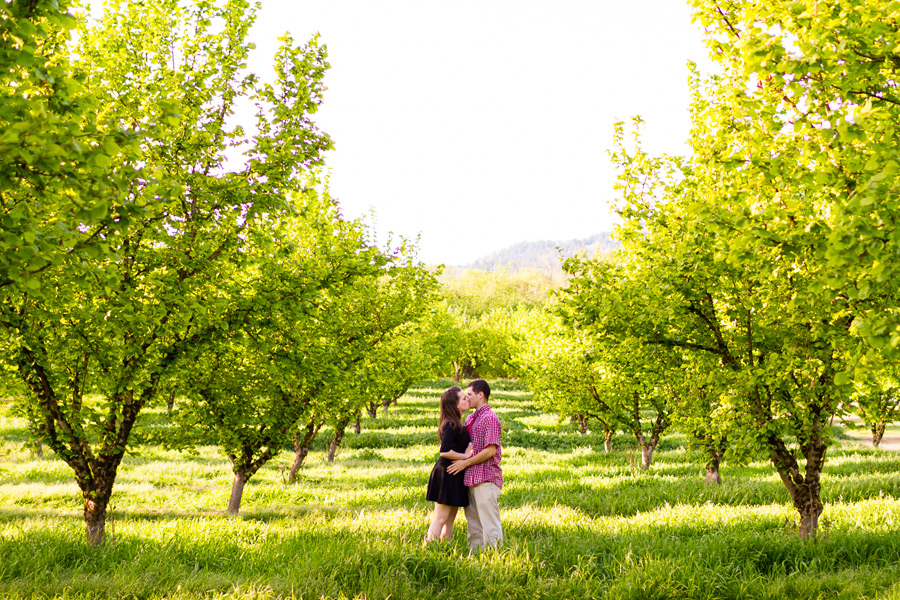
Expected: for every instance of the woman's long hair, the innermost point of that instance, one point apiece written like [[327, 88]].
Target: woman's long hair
[[450, 410]]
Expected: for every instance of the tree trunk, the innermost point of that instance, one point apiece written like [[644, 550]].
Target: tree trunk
[[804, 488], [95, 519], [38, 448], [372, 410], [300, 452], [647, 448], [237, 491], [582, 424], [809, 518], [659, 426], [457, 372], [712, 468], [646, 455], [357, 427], [336, 441], [878, 433], [170, 402], [386, 404], [302, 441], [607, 440]]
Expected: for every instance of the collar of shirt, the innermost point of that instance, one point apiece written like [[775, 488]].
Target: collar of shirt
[[473, 418], [480, 410]]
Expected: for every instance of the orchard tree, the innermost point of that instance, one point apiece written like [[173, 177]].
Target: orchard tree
[[311, 312], [441, 334], [64, 169], [395, 365], [810, 108], [698, 410], [692, 279], [110, 319], [633, 383], [876, 401], [386, 371], [560, 366], [385, 368], [287, 329], [799, 134]]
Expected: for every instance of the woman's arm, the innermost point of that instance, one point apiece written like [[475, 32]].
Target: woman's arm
[[454, 455]]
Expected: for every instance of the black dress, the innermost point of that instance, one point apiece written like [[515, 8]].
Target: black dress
[[443, 487]]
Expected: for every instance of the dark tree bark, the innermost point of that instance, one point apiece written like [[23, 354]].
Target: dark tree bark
[[95, 473], [237, 491], [245, 467], [303, 439], [804, 487], [607, 440], [95, 520], [339, 430], [647, 446], [372, 410], [878, 433], [357, 427], [647, 449], [170, 402], [712, 468], [387, 403], [582, 423]]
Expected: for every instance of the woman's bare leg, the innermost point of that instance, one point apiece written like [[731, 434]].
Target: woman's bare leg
[[447, 530], [442, 513]]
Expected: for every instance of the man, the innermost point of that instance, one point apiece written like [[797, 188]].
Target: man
[[483, 476]]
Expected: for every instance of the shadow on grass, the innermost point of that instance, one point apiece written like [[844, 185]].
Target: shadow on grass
[[16, 435], [327, 556], [630, 495]]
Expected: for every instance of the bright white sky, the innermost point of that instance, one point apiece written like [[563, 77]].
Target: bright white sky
[[482, 123]]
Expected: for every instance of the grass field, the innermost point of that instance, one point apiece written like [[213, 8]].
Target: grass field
[[578, 523]]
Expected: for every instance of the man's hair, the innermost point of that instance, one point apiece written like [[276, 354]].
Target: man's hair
[[480, 385]]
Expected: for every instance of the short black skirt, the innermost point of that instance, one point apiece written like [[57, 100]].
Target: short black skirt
[[445, 488]]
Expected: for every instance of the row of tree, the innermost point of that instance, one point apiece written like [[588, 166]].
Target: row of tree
[[156, 252], [751, 303], [139, 265], [754, 299]]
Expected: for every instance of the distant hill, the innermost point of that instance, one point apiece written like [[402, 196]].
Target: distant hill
[[543, 255]]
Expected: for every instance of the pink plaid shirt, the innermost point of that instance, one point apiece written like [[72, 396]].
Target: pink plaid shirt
[[484, 429]]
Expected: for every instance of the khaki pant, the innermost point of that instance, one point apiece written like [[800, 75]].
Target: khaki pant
[[483, 515]]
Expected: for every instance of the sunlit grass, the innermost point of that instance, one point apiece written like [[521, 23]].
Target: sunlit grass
[[578, 522]]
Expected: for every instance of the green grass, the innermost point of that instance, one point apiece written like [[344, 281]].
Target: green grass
[[579, 523]]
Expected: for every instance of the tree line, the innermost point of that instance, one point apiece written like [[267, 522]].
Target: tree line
[[754, 298], [751, 303], [143, 267], [139, 265]]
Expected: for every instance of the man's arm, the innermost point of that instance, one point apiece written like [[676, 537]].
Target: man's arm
[[486, 454]]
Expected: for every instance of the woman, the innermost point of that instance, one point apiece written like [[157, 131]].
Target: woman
[[447, 491]]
